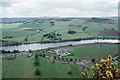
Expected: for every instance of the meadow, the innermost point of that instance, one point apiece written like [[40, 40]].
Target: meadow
[[23, 66], [94, 51]]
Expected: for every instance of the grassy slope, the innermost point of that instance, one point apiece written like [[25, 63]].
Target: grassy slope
[[97, 51], [24, 67], [20, 67], [57, 70]]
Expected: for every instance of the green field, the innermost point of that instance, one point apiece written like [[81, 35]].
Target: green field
[[19, 31], [23, 67], [57, 30], [94, 51]]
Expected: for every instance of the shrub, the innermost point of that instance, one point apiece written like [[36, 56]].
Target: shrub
[[69, 72], [71, 59], [37, 72], [54, 57], [104, 69], [93, 60], [36, 63], [71, 32], [36, 57], [44, 55]]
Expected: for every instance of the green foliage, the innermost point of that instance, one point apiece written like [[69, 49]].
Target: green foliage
[[104, 69], [37, 72], [71, 32]]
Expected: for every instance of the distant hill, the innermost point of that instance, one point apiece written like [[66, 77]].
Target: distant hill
[[13, 20]]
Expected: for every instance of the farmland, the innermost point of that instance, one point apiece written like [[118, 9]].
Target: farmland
[[99, 51], [49, 63], [34, 31], [23, 66]]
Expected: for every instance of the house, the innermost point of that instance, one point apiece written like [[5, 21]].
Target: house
[[62, 52]]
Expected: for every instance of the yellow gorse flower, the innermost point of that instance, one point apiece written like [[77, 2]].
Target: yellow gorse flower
[[104, 69], [97, 65], [110, 57], [109, 74], [103, 77], [84, 75], [92, 67], [102, 60]]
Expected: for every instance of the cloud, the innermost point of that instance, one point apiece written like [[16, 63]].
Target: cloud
[[111, 1], [5, 4], [40, 9]]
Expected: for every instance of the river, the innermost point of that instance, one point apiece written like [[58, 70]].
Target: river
[[38, 46]]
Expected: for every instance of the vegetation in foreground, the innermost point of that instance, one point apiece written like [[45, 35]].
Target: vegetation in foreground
[[104, 69]]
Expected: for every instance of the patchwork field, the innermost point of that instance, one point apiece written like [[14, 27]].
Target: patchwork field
[[34, 31], [48, 63]]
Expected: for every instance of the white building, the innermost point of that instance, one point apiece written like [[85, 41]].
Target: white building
[[62, 52]]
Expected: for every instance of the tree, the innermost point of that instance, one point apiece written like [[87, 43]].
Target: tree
[[54, 57], [45, 35], [15, 51], [36, 63], [44, 55], [3, 51], [36, 57], [58, 34], [58, 58], [26, 38], [37, 72], [62, 59], [69, 72], [52, 23], [75, 59], [30, 51], [66, 59], [71, 32], [71, 60]]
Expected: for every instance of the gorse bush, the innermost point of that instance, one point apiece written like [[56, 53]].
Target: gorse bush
[[103, 69]]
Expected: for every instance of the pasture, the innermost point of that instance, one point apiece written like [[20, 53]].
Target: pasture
[[45, 30], [35, 30], [96, 51], [23, 66]]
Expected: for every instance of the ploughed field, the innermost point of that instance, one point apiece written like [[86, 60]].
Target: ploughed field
[[57, 29], [51, 66]]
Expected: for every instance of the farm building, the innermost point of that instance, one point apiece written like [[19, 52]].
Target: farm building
[[62, 52]]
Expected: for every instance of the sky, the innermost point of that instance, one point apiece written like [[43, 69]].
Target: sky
[[59, 8]]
